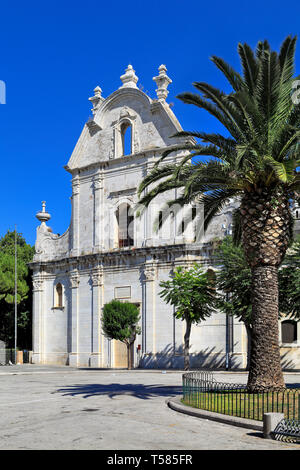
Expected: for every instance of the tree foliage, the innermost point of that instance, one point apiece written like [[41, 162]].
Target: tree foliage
[[260, 149], [192, 293], [25, 254], [119, 322], [257, 161], [289, 282], [234, 280]]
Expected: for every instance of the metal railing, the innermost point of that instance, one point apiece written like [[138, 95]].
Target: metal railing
[[232, 399], [287, 430]]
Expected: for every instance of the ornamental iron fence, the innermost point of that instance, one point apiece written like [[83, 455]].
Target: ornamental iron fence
[[200, 390]]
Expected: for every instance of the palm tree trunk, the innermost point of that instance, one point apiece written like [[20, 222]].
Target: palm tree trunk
[[129, 364], [187, 345], [249, 344], [265, 226], [265, 368]]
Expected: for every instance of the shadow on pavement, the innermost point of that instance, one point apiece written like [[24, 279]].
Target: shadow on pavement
[[141, 391]]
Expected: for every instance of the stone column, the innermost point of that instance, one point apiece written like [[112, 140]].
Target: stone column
[[75, 215], [96, 349], [74, 284], [37, 318], [149, 307]]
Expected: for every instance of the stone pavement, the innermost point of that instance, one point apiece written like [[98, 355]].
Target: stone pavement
[[45, 407]]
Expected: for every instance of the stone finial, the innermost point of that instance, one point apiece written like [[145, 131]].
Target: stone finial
[[129, 78], [96, 99], [162, 82], [42, 215]]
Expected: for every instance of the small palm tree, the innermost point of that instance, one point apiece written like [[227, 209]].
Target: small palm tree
[[256, 161]]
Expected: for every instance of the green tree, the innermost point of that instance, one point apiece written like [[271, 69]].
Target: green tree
[[289, 282], [192, 293], [234, 281], [255, 160], [119, 321], [7, 289]]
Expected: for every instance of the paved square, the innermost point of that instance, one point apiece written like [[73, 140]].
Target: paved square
[[46, 407]]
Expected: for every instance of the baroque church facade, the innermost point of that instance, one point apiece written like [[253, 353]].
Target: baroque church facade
[[113, 251]]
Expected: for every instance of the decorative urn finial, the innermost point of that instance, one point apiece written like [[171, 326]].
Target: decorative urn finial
[[42, 215], [96, 99], [162, 82], [129, 78]]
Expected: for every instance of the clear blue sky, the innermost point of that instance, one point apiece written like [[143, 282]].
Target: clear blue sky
[[53, 54]]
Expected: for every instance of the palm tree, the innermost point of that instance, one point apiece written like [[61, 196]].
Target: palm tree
[[256, 162]]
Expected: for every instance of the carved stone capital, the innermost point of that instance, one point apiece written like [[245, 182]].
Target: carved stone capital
[[149, 272], [97, 277], [97, 182], [75, 185], [38, 283], [74, 279]]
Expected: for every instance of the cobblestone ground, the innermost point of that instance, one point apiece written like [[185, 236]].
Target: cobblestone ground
[[65, 408]]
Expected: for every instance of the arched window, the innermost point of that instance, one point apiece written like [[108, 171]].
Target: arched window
[[126, 135], [125, 225], [160, 220], [288, 331], [58, 296], [211, 277]]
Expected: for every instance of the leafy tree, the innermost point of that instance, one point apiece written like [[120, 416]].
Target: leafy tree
[[289, 282], [119, 321], [234, 280], [256, 161], [7, 289], [192, 293]]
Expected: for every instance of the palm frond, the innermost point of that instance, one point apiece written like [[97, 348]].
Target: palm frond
[[233, 77], [236, 227], [219, 99], [211, 108], [214, 203], [249, 64], [262, 149]]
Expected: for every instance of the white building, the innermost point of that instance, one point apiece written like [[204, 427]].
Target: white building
[[110, 253]]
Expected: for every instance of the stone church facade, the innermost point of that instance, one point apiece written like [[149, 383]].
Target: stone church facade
[[111, 251]]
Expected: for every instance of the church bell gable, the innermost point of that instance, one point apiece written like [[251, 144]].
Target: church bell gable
[[128, 114]]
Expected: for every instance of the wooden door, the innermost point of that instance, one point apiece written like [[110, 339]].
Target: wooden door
[[120, 354]]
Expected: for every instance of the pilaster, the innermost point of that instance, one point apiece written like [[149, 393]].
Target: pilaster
[[37, 320], [75, 215], [98, 203], [97, 282], [74, 284], [149, 307]]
